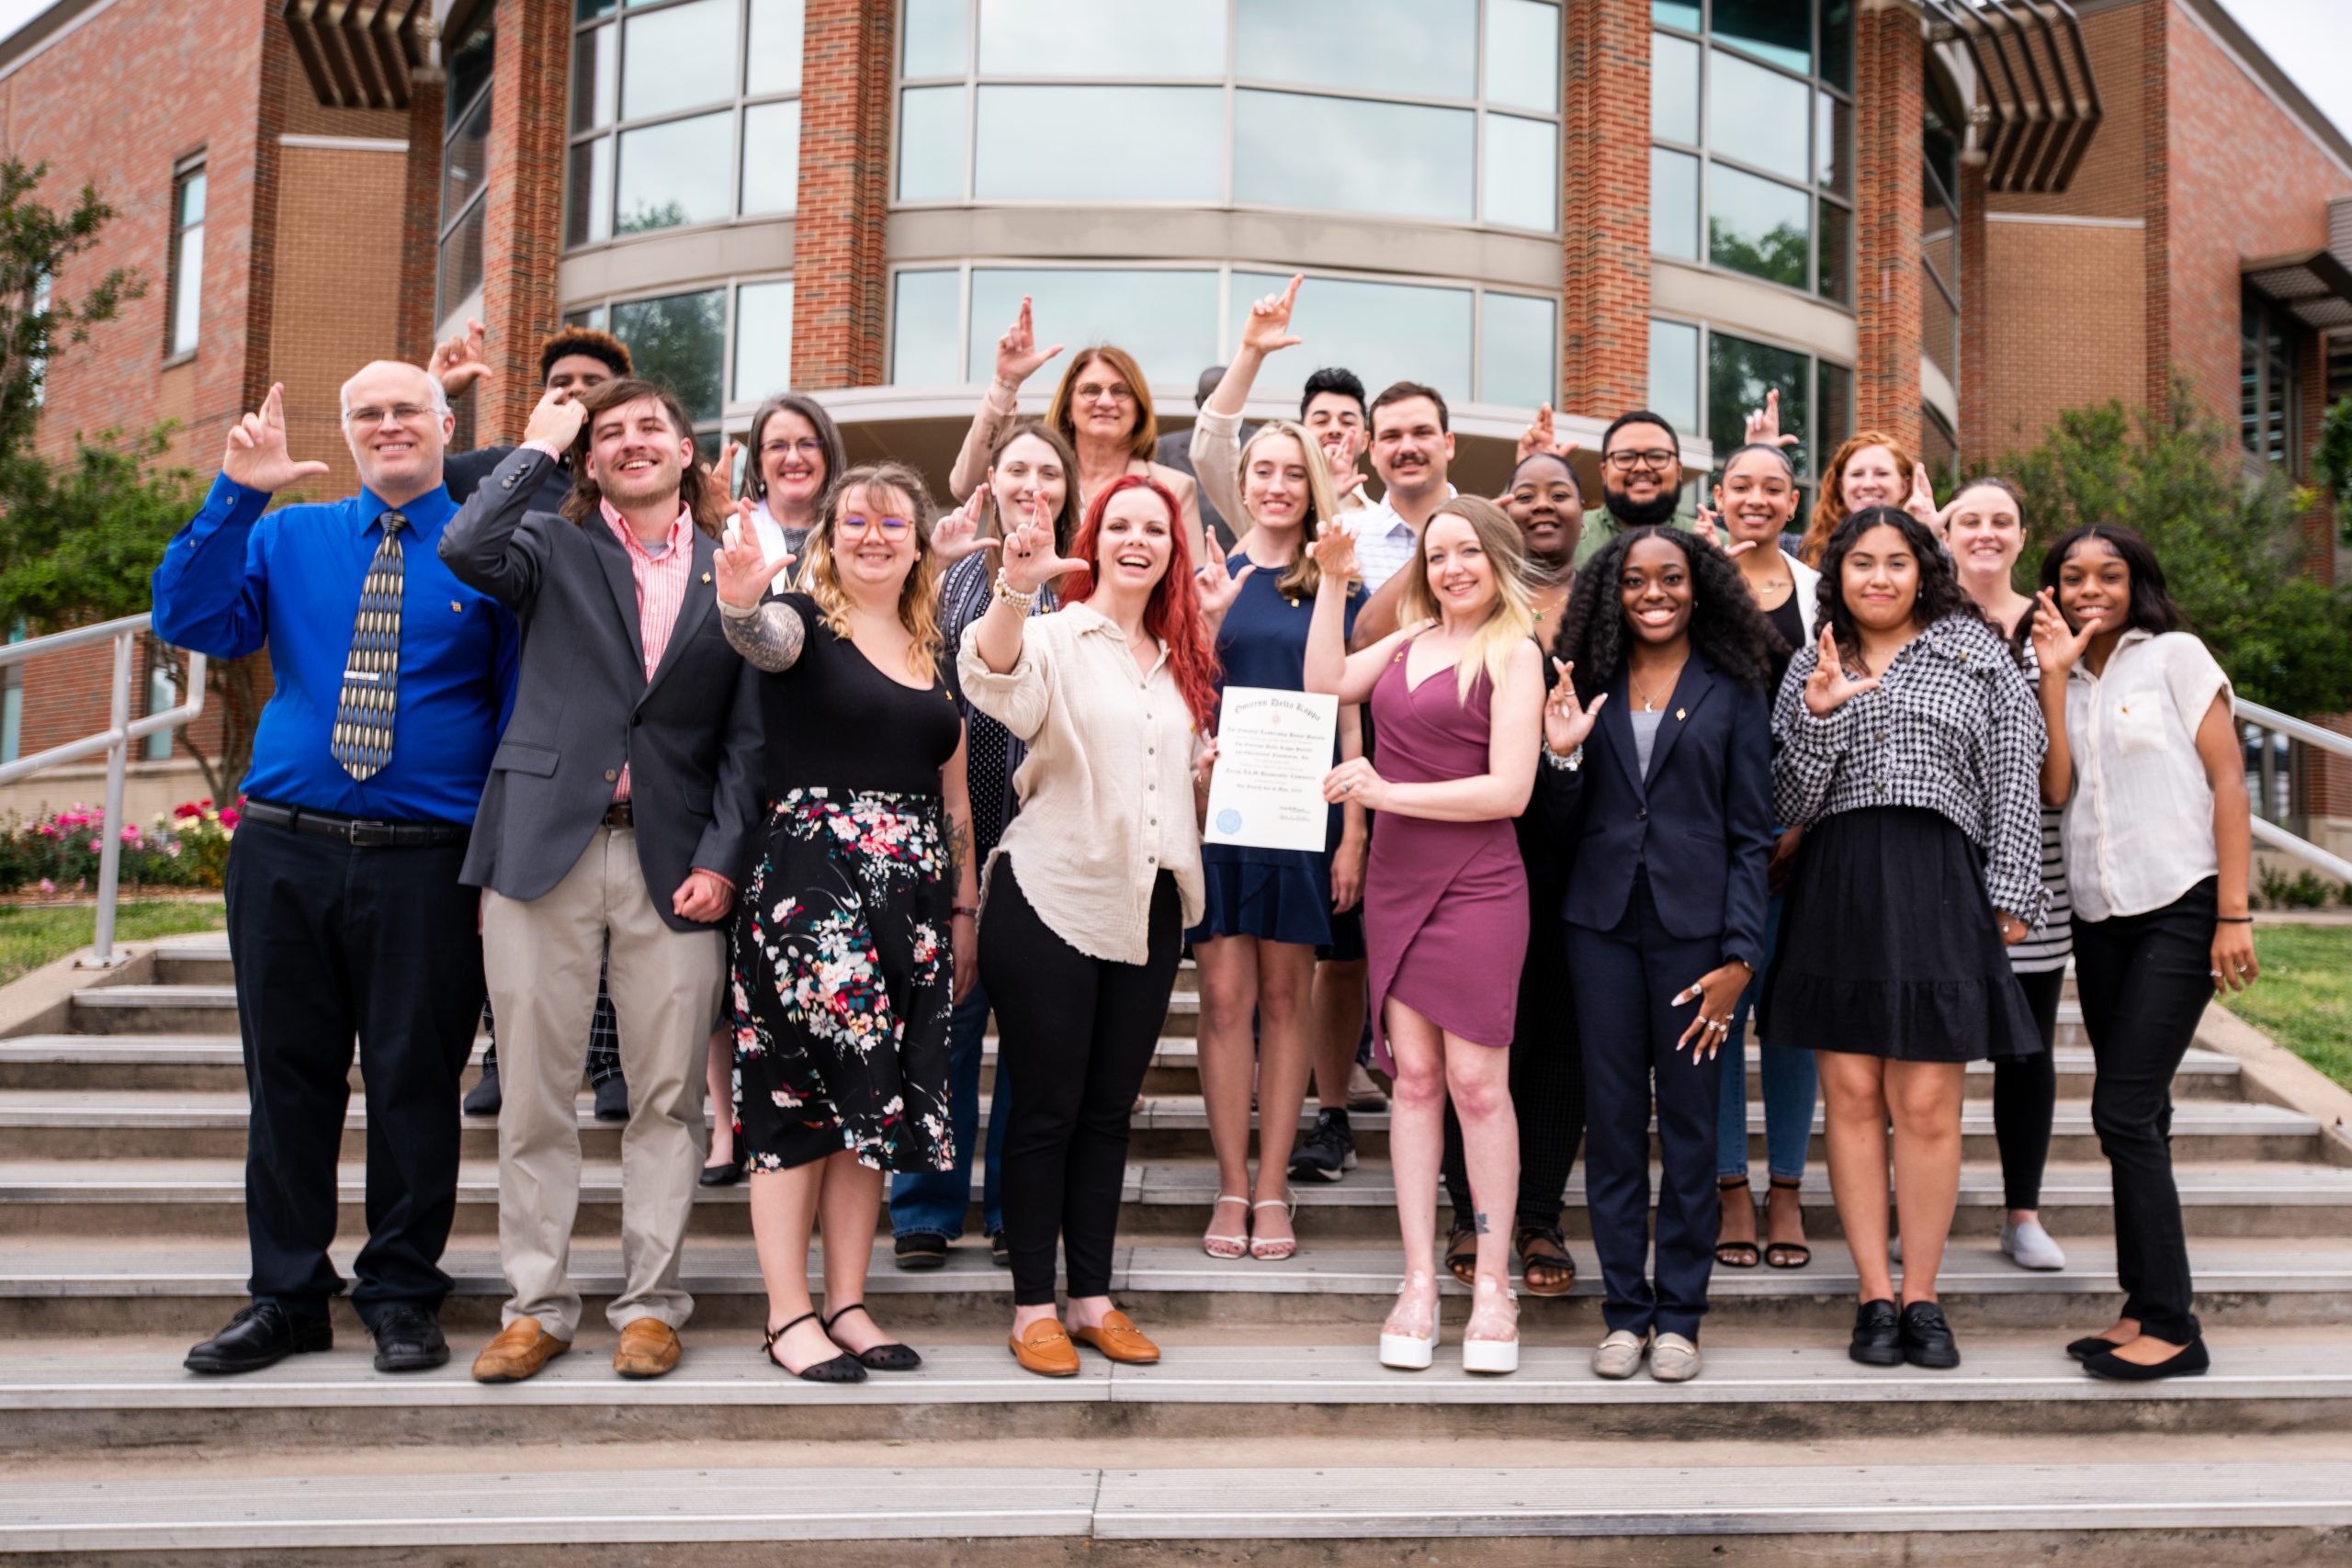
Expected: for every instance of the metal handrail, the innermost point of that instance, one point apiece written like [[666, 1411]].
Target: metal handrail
[[114, 740], [2274, 835]]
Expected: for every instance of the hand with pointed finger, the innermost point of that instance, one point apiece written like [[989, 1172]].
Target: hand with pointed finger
[[459, 363], [741, 564], [2056, 647], [1764, 423], [1829, 685], [1216, 587], [1567, 722], [722, 472], [1342, 445], [958, 533], [1921, 501], [1028, 554], [256, 456], [1017, 356], [556, 419], [1536, 437], [1267, 329]]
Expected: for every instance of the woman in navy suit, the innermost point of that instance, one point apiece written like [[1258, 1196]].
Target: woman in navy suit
[[1657, 777]]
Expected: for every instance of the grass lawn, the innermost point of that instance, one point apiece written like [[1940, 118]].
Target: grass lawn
[[2303, 1000], [33, 934]]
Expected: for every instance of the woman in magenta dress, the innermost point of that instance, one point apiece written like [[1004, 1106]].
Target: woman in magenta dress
[[1456, 696]]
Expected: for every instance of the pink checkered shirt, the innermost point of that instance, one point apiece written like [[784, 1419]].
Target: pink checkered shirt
[[661, 591]]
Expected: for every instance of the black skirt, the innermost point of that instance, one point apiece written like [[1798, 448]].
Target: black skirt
[[1890, 948]]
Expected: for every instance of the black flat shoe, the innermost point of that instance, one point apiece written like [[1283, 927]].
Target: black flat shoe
[[1878, 1336], [2091, 1344], [2190, 1360], [612, 1100], [893, 1357], [842, 1367], [482, 1099], [261, 1336], [1927, 1338], [726, 1175], [920, 1249], [408, 1340], [998, 1252]]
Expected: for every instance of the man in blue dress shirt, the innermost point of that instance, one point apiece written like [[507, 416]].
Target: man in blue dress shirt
[[345, 914]]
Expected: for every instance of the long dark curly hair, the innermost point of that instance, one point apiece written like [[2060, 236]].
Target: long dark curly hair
[[1941, 593], [1725, 625]]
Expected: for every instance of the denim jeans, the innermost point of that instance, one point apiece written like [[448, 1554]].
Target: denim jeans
[[934, 1202], [1790, 1084]]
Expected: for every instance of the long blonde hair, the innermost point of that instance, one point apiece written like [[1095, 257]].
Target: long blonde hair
[[1322, 502], [1512, 620], [918, 596]]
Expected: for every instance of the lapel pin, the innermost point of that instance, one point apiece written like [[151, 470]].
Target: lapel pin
[[706, 577], [1678, 716], [456, 608]]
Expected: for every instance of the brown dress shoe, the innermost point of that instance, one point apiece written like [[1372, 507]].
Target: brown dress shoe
[[1045, 1350], [1121, 1340], [521, 1348], [649, 1347]]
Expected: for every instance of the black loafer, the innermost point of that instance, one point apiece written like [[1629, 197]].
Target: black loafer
[[2091, 1344], [612, 1100], [998, 1252], [483, 1098], [1878, 1336], [726, 1175], [261, 1336], [920, 1249], [1927, 1338], [2190, 1360], [409, 1340]]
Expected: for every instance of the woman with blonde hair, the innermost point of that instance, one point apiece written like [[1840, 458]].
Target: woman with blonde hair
[[857, 933], [1102, 407], [1446, 915]]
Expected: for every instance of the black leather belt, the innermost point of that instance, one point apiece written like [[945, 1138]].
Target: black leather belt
[[620, 814], [360, 833]]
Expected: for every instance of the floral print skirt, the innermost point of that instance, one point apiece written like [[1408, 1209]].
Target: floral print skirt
[[842, 981]]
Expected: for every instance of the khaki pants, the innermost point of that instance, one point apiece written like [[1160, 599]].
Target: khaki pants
[[541, 957]]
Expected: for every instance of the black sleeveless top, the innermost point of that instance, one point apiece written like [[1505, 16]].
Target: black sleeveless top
[[833, 721]]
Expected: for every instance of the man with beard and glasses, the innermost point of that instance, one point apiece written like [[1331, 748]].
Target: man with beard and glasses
[[1641, 470]]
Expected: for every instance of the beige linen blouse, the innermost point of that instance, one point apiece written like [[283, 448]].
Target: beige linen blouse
[[1106, 791]]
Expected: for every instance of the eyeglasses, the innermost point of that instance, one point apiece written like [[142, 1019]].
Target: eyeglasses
[[1093, 394], [888, 527], [808, 447], [1658, 458], [400, 413]]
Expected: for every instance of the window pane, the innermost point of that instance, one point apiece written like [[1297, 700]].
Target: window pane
[[680, 339], [1757, 226], [1405, 160], [1837, 42], [1835, 280], [1167, 320], [762, 340], [1098, 143], [595, 78], [187, 286], [931, 144], [773, 57], [586, 221], [1674, 373], [1833, 143], [1674, 203], [1522, 174], [674, 174], [1939, 226], [1939, 326], [464, 161], [588, 10], [1523, 54], [592, 316], [924, 348], [1674, 89], [1676, 14], [1517, 363], [468, 65], [1779, 30], [937, 38], [1088, 38], [676, 59], [1426, 48], [1383, 331], [191, 204], [1738, 375], [1757, 116], [461, 260], [1836, 420], [771, 157]]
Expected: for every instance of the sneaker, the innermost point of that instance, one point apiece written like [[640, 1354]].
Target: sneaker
[[1330, 1151], [1363, 1095], [2029, 1247], [482, 1099]]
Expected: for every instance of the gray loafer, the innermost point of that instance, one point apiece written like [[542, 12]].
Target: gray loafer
[[2030, 1246], [1619, 1356], [1674, 1358]]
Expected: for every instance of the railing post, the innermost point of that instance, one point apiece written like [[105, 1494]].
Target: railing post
[[2269, 766], [110, 848]]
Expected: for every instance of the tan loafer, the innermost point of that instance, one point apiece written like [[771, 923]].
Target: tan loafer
[[1044, 1348], [521, 1348], [649, 1347], [1121, 1340]]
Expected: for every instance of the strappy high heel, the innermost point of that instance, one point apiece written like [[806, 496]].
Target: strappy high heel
[[1276, 1250], [1785, 1254], [1735, 1254], [891, 1358], [1412, 1352], [843, 1368], [1217, 1245]]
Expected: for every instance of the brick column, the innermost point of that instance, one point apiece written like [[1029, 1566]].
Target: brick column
[[261, 240], [1605, 261], [1978, 440], [2155, 202], [840, 298], [421, 211], [522, 238], [1889, 105]]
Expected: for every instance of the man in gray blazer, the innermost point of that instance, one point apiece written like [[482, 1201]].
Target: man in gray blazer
[[619, 809]]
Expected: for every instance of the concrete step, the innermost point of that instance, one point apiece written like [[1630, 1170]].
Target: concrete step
[[103, 1398], [207, 1008], [67, 1286]]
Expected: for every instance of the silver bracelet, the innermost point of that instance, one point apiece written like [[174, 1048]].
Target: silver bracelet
[[1567, 763], [1024, 602]]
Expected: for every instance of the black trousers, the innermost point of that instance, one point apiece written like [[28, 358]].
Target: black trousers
[[2145, 981], [1626, 980], [1081, 1031], [1546, 1086], [2025, 1097], [332, 942]]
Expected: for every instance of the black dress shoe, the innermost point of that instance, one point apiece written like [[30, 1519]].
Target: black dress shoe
[[726, 1174], [408, 1340], [2188, 1361], [482, 1099], [612, 1100], [261, 1336], [1000, 1253], [1927, 1338], [920, 1249], [1878, 1336], [2091, 1344]]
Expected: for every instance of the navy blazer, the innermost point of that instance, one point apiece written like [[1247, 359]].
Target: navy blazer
[[1700, 819]]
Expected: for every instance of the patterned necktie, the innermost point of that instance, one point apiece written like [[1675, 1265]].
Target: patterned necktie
[[363, 723]]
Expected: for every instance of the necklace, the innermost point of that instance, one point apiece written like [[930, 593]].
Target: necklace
[[1635, 681]]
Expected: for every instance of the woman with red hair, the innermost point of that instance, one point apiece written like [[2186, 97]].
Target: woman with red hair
[[1087, 895]]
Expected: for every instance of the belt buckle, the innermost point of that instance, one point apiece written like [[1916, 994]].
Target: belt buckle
[[351, 833]]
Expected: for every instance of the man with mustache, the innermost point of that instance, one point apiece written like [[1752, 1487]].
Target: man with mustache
[[1641, 470]]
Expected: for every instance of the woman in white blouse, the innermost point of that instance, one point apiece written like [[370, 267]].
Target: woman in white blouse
[[1086, 898], [2143, 755]]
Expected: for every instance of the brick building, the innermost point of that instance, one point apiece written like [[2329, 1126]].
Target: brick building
[[1937, 217]]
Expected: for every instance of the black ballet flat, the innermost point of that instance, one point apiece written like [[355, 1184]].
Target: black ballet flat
[[881, 1357], [843, 1368], [725, 1175], [2091, 1344], [2190, 1360]]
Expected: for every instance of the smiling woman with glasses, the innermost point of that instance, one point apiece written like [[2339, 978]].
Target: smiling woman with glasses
[[795, 453]]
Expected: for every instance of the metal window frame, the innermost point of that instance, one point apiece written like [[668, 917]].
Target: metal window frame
[[1817, 451], [731, 411], [2276, 318], [176, 271]]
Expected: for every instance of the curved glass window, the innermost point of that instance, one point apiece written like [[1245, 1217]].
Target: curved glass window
[[1708, 382], [465, 169], [724, 346], [1108, 143]]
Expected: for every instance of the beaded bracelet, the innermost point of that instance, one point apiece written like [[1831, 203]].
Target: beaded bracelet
[[1024, 602]]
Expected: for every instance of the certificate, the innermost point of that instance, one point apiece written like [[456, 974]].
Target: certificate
[[1274, 749]]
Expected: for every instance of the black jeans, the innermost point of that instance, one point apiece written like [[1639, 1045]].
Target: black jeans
[[1546, 1086], [332, 942], [2145, 981], [2025, 1096], [1077, 1034]]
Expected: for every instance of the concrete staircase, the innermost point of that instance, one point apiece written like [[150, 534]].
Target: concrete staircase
[[1269, 1431]]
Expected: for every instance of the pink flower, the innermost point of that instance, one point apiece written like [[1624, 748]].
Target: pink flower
[[95, 846], [47, 886], [230, 818], [131, 832]]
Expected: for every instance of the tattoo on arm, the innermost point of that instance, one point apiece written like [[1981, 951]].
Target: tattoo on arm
[[1479, 1223], [959, 851], [771, 639]]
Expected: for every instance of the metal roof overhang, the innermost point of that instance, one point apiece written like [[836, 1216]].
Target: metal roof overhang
[[2040, 104], [362, 54], [2314, 285]]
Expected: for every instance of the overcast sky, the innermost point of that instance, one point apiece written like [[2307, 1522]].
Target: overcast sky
[[2309, 38]]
